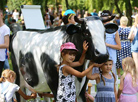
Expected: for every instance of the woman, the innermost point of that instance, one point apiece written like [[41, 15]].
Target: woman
[[133, 37], [125, 43]]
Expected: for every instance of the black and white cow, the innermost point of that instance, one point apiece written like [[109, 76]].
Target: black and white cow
[[35, 54]]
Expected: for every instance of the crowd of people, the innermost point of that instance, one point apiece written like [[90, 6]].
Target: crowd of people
[[122, 47]]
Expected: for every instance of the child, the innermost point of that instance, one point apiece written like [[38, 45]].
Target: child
[[128, 82], [106, 90], [66, 87], [89, 98], [7, 82], [112, 42]]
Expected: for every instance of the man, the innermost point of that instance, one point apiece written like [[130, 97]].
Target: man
[[4, 40]]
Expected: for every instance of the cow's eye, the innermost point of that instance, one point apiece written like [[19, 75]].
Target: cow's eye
[[86, 27], [86, 34]]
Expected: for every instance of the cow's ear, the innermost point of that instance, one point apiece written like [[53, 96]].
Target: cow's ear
[[111, 28], [72, 29]]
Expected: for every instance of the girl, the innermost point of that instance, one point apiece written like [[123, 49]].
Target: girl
[[66, 87], [106, 90], [69, 19], [7, 82], [128, 82], [133, 36], [112, 42]]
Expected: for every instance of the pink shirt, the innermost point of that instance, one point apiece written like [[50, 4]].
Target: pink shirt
[[128, 86]]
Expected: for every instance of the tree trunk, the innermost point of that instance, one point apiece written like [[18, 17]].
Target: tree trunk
[[67, 4], [3, 4], [117, 7], [128, 11], [56, 9]]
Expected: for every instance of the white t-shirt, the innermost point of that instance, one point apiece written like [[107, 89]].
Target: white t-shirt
[[13, 88], [4, 30], [15, 15]]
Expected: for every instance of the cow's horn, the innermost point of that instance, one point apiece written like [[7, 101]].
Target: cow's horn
[[78, 20], [108, 18]]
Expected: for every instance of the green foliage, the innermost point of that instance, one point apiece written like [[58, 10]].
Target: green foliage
[[15, 4]]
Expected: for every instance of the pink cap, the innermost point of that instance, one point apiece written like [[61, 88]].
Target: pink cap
[[68, 45]]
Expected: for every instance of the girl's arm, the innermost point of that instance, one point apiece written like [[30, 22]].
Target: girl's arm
[[82, 58], [25, 96], [118, 43], [120, 87], [92, 76], [6, 42], [89, 97], [70, 70], [131, 34], [96, 75]]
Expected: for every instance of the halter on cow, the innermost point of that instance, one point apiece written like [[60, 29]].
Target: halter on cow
[[35, 54]]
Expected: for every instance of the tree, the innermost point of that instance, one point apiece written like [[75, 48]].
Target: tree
[[129, 11], [3, 4], [117, 7]]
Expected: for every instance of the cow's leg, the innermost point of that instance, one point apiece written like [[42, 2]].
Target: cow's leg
[[16, 70], [50, 72], [81, 85], [47, 99]]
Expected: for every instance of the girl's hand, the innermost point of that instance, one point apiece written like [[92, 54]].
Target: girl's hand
[[106, 44], [33, 95], [86, 94], [96, 64], [85, 46]]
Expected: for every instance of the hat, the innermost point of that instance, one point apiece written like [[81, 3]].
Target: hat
[[111, 28], [106, 13], [68, 45], [69, 11]]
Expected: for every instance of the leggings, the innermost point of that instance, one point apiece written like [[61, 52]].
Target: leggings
[[1, 67]]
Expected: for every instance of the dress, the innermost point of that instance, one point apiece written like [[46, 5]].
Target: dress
[[110, 39], [134, 44], [129, 92], [66, 87], [9, 95], [105, 93], [125, 46]]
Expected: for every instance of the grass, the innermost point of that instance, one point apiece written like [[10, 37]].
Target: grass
[[10, 62]]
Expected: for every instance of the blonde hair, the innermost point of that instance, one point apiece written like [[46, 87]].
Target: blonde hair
[[130, 67], [124, 20], [7, 73], [136, 20]]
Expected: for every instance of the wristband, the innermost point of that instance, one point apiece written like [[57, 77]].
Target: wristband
[[7, 51]]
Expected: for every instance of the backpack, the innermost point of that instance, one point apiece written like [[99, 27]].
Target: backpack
[[2, 95]]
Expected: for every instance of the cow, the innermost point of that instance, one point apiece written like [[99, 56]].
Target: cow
[[35, 54]]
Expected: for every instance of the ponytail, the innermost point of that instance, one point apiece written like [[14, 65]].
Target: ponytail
[[2, 79], [102, 76], [114, 77]]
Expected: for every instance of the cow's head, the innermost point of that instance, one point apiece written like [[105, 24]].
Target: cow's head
[[93, 31]]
